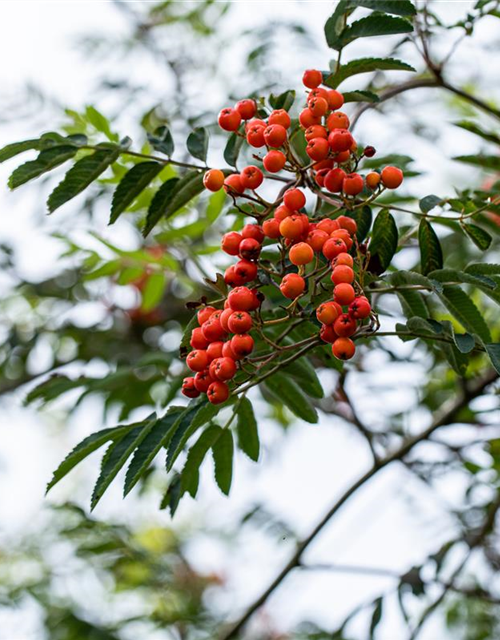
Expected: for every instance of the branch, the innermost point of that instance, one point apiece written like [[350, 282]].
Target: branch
[[445, 416]]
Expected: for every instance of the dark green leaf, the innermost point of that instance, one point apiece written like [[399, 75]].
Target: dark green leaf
[[290, 394], [335, 24], [398, 7], [376, 617], [157, 438], [483, 268], [304, 374], [162, 141], [493, 351], [247, 430], [197, 143], [360, 96], [172, 495], [479, 237], [491, 163], [428, 203], [223, 451], [117, 455], [81, 175], [46, 160], [190, 477], [232, 149], [85, 448], [14, 149], [283, 101], [384, 242], [376, 24], [465, 311], [431, 254], [464, 342], [365, 65], [363, 219], [159, 204], [131, 185]]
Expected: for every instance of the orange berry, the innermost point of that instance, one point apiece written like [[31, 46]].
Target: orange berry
[[275, 135], [312, 78], [317, 149], [281, 117], [343, 258], [292, 286], [392, 177], [316, 239], [337, 120], [334, 180], [349, 224], [335, 99], [332, 248], [294, 199], [282, 212], [292, 227], [344, 293], [301, 253], [229, 119], [307, 118], [251, 177], [327, 313], [318, 106], [353, 184], [342, 273], [340, 140], [213, 180], [271, 228], [233, 184], [344, 235], [315, 131], [373, 179], [343, 348]]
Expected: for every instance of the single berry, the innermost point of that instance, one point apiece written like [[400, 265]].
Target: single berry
[[344, 293], [202, 381], [327, 313], [337, 120], [317, 149], [281, 117], [349, 224], [204, 314], [240, 322], [335, 99], [318, 106], [340, 140], [392, 177], [271, 228], [294, 199], [353, 184], [229, 119], [343, 258], [253, 231], [343, 348], [315, 131], [241, 299], [334, 180], [292, 286], [345, 325], [301, 253], [255, 135], [342, 273], [316, 239], [332, 248], [231, 243], [369, 151], [218, 392], [274, 161], [251, 177], [246, 108], [312, 78], [275, 135], [213, 330], [223, 369], [373, 180], [308, 119], [233, 184], [213, 180], [292, 227], [250, 248], [245, 270], [360, 308], [189, 389], [242, 345], [198, 360], [198, 340], [214, 349]]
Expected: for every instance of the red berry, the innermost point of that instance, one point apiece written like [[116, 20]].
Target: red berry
[[218, 392], [202, 381], [360, 308], [213, 180], [281, 117], [353, 184], [315, 131], [251, 177], [340, 140], [197, 360], [229, 119], [317, 149], [250, 249], [253, 231], [242, 345], [282, 212], [328, 225], [271, 228], [345, 325], [214, 349], [392, 177], [318, 106], [241, 299], [227, 352], [301, 253], [342, 273], [204, 314], [224, 317], [312, 78], [327, 334], [213, 330], [343, 348], [307, 118], [255, 135], [231, 243], [327, 313], [369, 151], [332, 248], [240, 322], [344, 235], [335, 99], [244, 270], [198, 340], [343, 258], [334, 180], [274, 161], [275, 135], [292, 227], [233, 184], [294, 199], [292, 286], [189, 389], [316, 239], [344, 293], [246, 108], [349, 224], [223, 369], [337, 120]]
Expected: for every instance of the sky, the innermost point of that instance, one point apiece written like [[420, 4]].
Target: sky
[[382, 527]]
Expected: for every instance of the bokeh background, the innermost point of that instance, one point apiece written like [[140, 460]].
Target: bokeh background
[[67, 55]]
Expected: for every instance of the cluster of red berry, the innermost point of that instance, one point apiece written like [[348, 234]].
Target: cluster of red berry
[[309, 248]]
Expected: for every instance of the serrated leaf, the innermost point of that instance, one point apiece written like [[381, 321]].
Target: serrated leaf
[[304, 374], [457, 277], [491, 163], [284, 100], [479, 237], [483, 268], [190, 476], [153, 290], [363, 219], [87, 446], [162, 141], [146, 452], [195, 416], [398, 7], [431, 254], [100, 123], [223, 452], [476, 129], [412, 302], [290, 394], [46, 160], [465, 311], [81, 175], [173, 195], [493, 351], [247, 430], [384, 242], [197, 143], [376, 24], [232, 149], [131, 185], [335, 24], [456, 359], [429, 202], [360, 96], [173, 495], [365, 65], [117, 455], [15, 148]]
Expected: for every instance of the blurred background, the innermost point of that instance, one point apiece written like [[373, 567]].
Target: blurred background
[[129, 570]]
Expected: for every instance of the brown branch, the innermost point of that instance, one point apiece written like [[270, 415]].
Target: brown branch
[[445, 416]]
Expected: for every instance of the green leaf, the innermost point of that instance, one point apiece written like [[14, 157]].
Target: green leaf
[[190, 476], [215, 205], [172, 196], [172, 495], [117, 455], [431, 254], [376, 616], [195, 416], [14, 149], [284, 100], [398, 7], [335, 24], [304, 374], [363, 219], [152, 293], [360, 96], [492, 163], [474, 128], [290, 394], [81, 175], [247, 430], [493, 351], [100, 123], [365, 65], [87, 446], [232, 149], [146, 452], [46, 160], [223, 451], [162, 141], [457, 277], [412, 302], [464, 342], [483, 268], [376, 24], [197, 143], [465, 311], [384, 242], [479, 237], [131, 185], [429, 202]]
